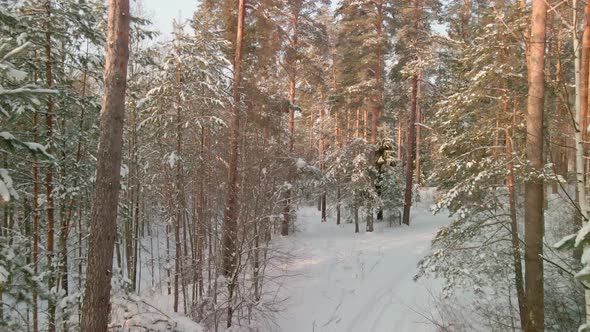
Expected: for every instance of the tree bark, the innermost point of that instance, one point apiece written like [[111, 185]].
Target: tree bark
[[179, 197], [292, 84], [49, 208], [534, 227], [377, 102], [365, 124], [579, 144], [584, 72], [399, 136], [418, 131], [516, 256], [35, 229], [411, 152], [230, 222], [357, 124], [369, 228], [201, 217], [355, 213], [311, 145], [322, 152], [96, 307]]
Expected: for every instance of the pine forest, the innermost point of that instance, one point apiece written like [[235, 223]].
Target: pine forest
[[294, 165]]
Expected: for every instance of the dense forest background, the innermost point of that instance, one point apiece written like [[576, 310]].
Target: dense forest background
[[256, 107]]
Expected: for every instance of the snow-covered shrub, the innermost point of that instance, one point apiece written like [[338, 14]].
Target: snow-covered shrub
[[474, 255]]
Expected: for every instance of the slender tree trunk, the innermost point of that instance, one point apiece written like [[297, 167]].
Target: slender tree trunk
[[418, 130], [357, 124], [534, 227], [348, 127], [399, 136], [365, 124], [322, 156], [230, 222], [517, 261], [369, 228], [49, 207], [292, 85], [337, 143], [311, 125], [465, 19], [201, 218], [178, 205], [579, 141], [35, 229], [411, 151], [510, 183], [63, 239], [377, 102], [356, 217], [96, 307], [585, 72]]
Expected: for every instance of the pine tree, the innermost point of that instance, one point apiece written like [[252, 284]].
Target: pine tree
[[534, 187], [96, 307]]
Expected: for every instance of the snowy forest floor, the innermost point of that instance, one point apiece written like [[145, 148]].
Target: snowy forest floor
[[341, 281], [328, 279]]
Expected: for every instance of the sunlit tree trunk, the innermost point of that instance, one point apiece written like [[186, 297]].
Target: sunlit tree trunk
[[230, 222], [579, 138], [533, 215], [103, 229], [378, 94], [410, 152], [292, 84]]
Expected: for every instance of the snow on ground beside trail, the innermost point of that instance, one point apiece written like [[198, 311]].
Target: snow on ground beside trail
[[341, 281]]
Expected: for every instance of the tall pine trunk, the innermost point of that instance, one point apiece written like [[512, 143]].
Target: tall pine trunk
[[410, 153], [230, 222], [103, 229], [533, 215], [292, 84], [378, 97]]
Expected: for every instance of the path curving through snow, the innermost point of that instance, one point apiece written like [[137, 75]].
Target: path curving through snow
[[341, 281]]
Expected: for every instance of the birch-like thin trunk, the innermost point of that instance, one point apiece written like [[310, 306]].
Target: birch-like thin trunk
[[579, 146]]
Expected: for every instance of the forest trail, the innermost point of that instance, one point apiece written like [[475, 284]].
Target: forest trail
[[341, 281]]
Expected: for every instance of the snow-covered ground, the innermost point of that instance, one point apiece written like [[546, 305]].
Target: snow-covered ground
[[333, 280], [341, 281]]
